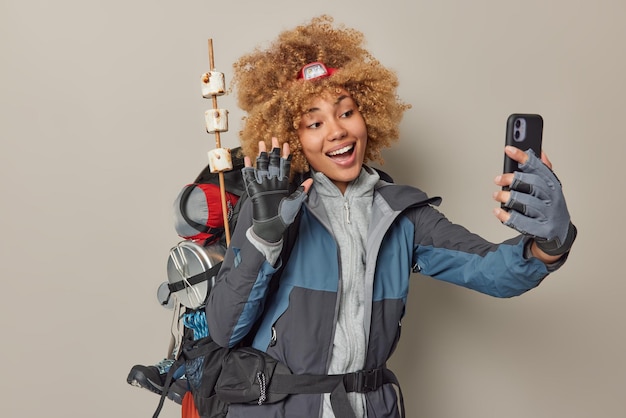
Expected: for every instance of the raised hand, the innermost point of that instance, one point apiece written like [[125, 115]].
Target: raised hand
[[267, 185]]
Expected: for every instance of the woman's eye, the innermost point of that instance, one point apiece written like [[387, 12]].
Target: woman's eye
[[314, 125], [348, 113]]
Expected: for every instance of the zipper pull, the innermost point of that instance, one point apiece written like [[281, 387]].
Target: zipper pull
[[347, 207]]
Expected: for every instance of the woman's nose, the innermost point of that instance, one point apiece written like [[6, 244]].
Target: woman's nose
[[336, 131]]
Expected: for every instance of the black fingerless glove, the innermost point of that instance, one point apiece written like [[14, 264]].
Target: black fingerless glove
[[537, 207], [267, 185]]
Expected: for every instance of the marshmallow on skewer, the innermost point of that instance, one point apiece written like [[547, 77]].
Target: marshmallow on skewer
[[220, 160], [213, 84], [216, 120]]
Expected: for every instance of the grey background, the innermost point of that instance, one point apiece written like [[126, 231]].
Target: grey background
[[102, 123]]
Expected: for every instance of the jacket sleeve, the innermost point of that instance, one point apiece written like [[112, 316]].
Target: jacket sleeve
[[237, 299], [449, 252]]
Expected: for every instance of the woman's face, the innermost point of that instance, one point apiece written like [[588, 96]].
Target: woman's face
[[333, 137]]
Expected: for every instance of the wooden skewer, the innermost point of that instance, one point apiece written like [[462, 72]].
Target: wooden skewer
[[218, 144]]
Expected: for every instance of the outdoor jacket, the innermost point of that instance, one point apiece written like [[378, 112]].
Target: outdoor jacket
[[295, 323]]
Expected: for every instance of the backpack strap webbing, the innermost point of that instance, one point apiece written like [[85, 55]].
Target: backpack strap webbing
[[209, 274]]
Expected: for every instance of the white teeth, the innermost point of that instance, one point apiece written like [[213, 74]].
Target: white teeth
[[341, 150]]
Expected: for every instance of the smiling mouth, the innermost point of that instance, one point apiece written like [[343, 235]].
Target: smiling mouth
[[345, 151]]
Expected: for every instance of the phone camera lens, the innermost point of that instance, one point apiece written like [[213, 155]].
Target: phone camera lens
[[517, 134], [518, 123]]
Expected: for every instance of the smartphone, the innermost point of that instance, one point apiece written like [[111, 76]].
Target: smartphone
[[524, 131]]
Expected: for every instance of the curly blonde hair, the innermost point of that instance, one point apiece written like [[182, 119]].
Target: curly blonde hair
[[274, 99]]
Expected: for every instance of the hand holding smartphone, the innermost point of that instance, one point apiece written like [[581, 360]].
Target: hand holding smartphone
[[549, 225]]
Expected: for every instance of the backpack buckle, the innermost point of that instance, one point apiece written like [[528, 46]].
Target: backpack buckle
[[366, 380]]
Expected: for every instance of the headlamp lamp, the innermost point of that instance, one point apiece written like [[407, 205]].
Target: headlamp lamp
[[315, 70]]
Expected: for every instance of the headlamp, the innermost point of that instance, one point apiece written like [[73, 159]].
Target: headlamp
[[315, 70]]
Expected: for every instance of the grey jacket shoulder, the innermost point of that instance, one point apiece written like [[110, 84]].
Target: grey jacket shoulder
[[401, 197]]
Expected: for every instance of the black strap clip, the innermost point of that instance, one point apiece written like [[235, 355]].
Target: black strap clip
[[364, 380]]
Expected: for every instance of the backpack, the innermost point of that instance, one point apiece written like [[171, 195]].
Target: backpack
[[192, 268], [193, 265]]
